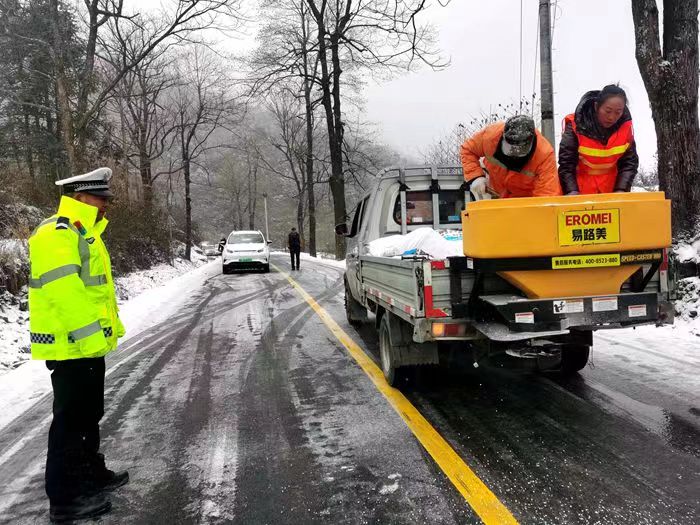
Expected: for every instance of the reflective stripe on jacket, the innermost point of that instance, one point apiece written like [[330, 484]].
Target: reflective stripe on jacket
[[597, 168], [72, 304], [537, 178]]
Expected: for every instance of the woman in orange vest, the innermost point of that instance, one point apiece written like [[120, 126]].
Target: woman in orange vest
[[597, 152]]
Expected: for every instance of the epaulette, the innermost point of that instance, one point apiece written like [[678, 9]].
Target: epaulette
[[62, 223]]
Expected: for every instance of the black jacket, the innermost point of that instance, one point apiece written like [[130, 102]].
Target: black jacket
[[294, 241], [587, 124]]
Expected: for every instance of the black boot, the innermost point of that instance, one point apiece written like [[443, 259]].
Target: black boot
[[105, 479], [109, 480], [82, 507]]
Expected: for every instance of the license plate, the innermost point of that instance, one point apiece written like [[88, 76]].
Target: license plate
[[585, 261], [245, 259], [580, 228]]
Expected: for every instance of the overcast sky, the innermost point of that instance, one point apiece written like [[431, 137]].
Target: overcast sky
[[593, 46]]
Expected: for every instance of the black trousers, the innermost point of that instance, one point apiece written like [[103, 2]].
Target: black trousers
[[73, 457], [294, 253]]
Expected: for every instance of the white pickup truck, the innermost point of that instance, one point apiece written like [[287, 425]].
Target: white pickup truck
[[418, 302]]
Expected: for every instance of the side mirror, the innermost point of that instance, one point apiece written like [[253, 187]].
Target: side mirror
[[342, 230], [269, 242]]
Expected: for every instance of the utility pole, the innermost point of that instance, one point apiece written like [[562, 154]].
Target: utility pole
[[546, 84], [267, 228]]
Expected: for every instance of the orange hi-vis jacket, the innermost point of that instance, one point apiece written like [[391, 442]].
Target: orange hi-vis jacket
[[537, 178], [597, 163]]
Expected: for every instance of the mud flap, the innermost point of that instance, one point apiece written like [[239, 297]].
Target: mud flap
[[405, 351]]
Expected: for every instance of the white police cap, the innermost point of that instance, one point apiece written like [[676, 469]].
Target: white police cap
[[96, 183]]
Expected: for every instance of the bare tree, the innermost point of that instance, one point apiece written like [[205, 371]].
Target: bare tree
[[669, 69], [445, 151], [139, 101], [290, 142], [200, 105], [288, 56], [78, 111], [377, 35]]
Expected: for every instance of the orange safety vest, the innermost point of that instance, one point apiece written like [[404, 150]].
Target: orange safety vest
[[597, 163]]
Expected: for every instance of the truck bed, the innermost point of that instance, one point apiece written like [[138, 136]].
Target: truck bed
[[401, 284], [416, 288]]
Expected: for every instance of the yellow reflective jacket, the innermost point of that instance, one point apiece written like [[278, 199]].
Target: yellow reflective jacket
[[72, 305]]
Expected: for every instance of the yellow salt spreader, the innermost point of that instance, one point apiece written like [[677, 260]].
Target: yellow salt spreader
[[575, 264]]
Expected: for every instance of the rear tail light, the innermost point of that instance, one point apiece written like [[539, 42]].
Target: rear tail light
[[449, 329]]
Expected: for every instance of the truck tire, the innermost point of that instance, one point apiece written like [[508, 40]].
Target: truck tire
[[574, 358], [393, 374], [355, 313]]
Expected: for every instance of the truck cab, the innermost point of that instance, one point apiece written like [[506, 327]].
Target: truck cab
[[378, 213]]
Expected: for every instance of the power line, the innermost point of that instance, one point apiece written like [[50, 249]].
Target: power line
[[534, 72], [554, 17], [520, 97]]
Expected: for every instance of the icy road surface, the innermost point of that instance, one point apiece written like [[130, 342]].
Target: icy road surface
[[242, 407]]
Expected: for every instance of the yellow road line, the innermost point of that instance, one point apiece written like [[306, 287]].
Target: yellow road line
[[484, 502]]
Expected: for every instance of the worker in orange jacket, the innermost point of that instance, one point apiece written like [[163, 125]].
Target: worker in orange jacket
[[518, 159]]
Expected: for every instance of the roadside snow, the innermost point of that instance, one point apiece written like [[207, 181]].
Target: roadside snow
[[136, 283], [322, 258], [688, 252], [328, 260], [688, 291], [14, 332], [21, 386]]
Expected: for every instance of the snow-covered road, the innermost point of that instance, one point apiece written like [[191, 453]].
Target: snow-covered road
[[235, 404]]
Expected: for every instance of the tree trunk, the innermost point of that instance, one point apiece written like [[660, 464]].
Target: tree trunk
[[336, 182], [671, 79], [146, 178], [188, 209], [338, 176], [252, 196], [184, 144], [677, 138], [309, 165], [62, 98], [300, 219], [28, 150]]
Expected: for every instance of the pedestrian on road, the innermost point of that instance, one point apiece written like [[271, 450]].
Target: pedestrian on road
[[519, 161], [74, 322], [597, 152], [294, 245]]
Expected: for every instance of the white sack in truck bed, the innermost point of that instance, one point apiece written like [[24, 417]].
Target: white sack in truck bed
[[437, 245]]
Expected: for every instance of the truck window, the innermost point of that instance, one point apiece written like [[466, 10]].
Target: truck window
[[363, 213], [356, 220], [419, 207]]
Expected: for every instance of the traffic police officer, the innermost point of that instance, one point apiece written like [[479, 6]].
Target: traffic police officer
[[74, 323]]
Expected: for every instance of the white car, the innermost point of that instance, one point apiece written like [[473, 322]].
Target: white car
[[246, 249]]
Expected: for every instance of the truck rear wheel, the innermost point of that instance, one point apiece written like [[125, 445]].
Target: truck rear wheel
[[355, 313], [394, 374], [574, 358]]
